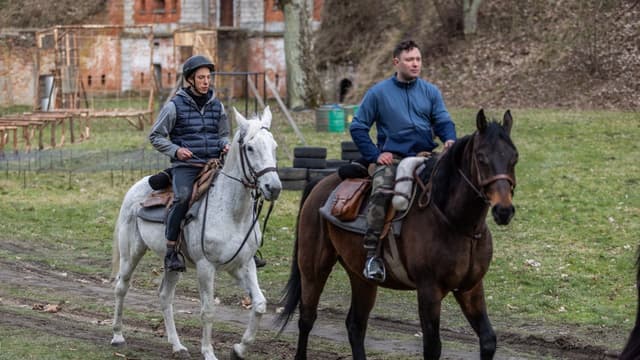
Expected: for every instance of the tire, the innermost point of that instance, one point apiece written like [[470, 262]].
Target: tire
[[351, 155], [336, 163], [312, 152], [309, 163], [292, 173], [348, 146], [293, 184], [320, 173]]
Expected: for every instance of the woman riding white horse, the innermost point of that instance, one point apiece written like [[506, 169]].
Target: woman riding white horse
[[224, 235]]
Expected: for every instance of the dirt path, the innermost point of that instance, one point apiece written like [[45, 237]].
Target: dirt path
[[386, 336]]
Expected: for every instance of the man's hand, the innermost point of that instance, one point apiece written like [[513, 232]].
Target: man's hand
[[225, 149], [448, 144], [184, 154], [385, 158]]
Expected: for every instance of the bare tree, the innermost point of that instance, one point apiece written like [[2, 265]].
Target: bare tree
[[301, 89], [470, 15], [458, 17]]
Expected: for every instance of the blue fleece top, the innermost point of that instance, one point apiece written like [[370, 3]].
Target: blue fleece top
[[404, 114]]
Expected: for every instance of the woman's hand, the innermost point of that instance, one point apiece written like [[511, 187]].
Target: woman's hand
[[184, 154]]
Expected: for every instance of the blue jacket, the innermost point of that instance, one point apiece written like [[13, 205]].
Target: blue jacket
[[404, 114], [181, 124]]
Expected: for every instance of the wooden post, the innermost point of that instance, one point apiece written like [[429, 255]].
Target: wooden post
[[274, 91], [253, 88]]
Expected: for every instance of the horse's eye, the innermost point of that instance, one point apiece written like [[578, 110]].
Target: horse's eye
[[514, 160], [249, 148], [482, 158]]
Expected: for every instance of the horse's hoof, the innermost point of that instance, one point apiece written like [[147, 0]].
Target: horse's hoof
[[235, 355], [118, 340], [182, 354]]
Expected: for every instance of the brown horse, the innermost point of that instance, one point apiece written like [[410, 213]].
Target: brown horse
[[444, 245]]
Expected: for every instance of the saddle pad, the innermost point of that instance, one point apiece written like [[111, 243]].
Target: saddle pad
[[358, 225], [159, 213], [153, 214]]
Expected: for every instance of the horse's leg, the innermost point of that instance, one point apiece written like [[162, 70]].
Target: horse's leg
[[248, 279], [206, 276], [314, 273], [167, 293], [130, 256], [363, 297], [429, 307], [474, 309]]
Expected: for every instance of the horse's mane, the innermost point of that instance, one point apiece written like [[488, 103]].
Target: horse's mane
[[446, 170]]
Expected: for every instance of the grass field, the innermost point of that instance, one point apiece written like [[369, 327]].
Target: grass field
[[566, 258]]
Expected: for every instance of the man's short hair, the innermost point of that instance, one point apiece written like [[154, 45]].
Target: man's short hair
[[405, 45]]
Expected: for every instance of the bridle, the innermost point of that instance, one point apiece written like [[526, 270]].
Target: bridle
[[249, 180], [249, 175], [483, 183]]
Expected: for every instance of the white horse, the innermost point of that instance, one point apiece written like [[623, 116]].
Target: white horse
[[231, 235]]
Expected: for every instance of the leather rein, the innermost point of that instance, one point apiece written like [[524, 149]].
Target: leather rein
[[425, 197], [249, 181]]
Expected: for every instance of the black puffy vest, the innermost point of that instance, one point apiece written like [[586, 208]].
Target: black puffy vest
[[196, 130]]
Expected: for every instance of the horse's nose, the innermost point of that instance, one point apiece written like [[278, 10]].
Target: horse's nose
[[502, 214], [273, 191]]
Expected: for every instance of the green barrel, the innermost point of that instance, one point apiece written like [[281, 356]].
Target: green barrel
[[336, 119]]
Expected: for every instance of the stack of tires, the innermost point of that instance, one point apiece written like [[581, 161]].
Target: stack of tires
[[309, 162], [349, 151]]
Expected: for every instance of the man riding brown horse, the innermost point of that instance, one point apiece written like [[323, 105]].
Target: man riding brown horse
[[406, 111]]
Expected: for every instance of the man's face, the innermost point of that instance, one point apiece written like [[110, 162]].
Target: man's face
[[202, 79], [408, 64]]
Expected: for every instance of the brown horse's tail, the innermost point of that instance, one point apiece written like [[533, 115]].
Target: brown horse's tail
[[292, 293], [632, 349]]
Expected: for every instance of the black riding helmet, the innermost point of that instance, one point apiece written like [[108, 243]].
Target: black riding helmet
[[194, 63]]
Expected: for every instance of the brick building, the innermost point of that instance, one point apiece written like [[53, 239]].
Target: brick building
[[143, 40]]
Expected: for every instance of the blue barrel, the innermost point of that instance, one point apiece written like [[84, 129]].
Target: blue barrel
[[336, 119]]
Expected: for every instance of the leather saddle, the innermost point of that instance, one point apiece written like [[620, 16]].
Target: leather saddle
[[155, 206]]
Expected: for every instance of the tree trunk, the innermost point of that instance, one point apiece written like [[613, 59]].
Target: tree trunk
[[470, 16], [295, 18]]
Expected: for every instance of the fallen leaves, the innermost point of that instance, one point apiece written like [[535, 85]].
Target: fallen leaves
[[48, 308]]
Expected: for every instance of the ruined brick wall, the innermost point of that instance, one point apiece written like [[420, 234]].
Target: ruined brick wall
[[99, 63], [194, 12], [250, 14], [17, 85]]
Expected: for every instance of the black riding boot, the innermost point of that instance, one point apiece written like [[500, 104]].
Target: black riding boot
[[174, 260], [260, 262], [374, 266]]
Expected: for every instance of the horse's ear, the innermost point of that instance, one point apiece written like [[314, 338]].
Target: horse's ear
[[507, 122], [481, 121], [241, 120], [266, 117]]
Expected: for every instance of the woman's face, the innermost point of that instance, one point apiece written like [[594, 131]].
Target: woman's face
[[202, 80]]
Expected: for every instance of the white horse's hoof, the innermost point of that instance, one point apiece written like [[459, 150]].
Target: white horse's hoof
[[181, 354], [118, 340], [234, 353]]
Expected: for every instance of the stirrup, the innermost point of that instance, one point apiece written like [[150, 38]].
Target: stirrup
[[374, 269], [174, 260]]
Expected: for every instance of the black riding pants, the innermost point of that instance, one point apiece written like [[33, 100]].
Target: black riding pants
[[183, 178]]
